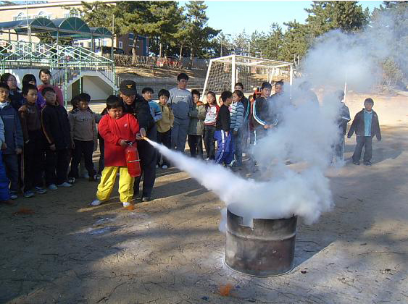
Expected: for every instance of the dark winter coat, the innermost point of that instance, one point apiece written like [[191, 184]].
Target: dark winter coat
[[261, 112], [358, 125], [223, 119], [13, 132], [343, 119], [56, 128], [141, 110]]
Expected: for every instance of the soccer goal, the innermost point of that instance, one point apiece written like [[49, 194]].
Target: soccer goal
[[224, 72]]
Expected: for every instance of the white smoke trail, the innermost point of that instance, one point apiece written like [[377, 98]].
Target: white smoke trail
[[272, 199]]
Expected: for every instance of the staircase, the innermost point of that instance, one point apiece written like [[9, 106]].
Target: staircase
[[67, 63]]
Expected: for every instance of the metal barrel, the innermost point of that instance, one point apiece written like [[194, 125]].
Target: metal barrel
[[266, 249]]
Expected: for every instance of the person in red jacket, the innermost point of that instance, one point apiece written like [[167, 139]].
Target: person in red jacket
[[117, 129]]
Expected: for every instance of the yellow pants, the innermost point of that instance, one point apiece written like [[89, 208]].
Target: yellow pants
[[107, 183]]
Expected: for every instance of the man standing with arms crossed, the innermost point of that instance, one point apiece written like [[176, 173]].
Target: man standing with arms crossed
[[181, 103]]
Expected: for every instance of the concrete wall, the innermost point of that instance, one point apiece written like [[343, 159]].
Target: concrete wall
[[96, 87]]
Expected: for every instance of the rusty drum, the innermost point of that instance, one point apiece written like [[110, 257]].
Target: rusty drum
[[267, 248]]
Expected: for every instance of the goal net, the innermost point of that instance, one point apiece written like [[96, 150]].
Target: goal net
[[224, 72]]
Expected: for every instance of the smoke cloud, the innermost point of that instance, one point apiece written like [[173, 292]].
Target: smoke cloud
[[305, 135]]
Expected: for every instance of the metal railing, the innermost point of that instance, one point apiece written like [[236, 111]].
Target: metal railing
[[66, 62]]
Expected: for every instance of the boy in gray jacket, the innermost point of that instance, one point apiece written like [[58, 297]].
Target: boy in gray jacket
[[84, 137]]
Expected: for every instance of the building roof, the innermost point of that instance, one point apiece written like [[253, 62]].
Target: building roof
[[63, 27]]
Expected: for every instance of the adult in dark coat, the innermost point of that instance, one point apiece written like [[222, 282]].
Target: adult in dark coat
[[136, 105]]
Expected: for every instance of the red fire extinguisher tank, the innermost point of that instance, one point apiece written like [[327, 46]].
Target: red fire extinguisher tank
[[132, 160]]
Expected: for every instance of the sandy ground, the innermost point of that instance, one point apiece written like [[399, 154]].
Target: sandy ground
[[170, 250]]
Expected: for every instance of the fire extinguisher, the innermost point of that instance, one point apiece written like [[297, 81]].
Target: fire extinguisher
[[132, 160]]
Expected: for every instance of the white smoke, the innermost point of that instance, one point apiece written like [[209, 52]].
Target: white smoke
[[305, 135], [305, 194]]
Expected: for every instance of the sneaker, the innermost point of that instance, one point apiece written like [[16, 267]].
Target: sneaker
[[164, 167], [13, 196], [357, 163], [125, 204], [98, 176], [52, 187], [71, 180], [86, 175], [28, 194], [65, 184], [367, 163], [146, 199], [95, 202], [40, 190]]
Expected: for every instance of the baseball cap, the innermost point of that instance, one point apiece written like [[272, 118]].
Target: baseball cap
[[128, 87]]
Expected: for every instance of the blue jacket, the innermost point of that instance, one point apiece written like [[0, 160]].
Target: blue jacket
[[13, 132]]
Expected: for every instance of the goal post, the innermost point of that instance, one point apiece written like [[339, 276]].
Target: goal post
[[224, 72]]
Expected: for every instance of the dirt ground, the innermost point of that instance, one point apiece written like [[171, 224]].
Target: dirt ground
[[169, 250]]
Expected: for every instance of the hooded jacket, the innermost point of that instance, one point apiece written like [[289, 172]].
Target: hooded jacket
[[13, 132], [113, 131]]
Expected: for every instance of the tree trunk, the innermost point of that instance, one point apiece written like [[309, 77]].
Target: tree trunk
[[160, 49], [181, 52], [190, 65], [134, 50]]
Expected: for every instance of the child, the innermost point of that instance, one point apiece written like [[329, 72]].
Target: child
[[45, 77], [33, 142], [261, 112], [196, 127], [342, 121], [366, 126], [209, 125], [15, 97], [83, 136], [4, 181], [117, 129], [164, 126], [55, 125], [147, 94], [13, 145], [237, 120], [30, 79], [225, 147]]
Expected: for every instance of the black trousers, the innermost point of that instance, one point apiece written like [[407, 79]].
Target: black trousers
[[11, 165], [195, 142], [34, 156], [101, 163], [165, 140], [148, 161], [84, 148], [56, 166], [367, 143], [209, 141]]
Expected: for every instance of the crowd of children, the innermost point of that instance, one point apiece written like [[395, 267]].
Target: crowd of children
[[40, 140]]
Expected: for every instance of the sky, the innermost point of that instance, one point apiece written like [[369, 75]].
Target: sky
[[232, 17]]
